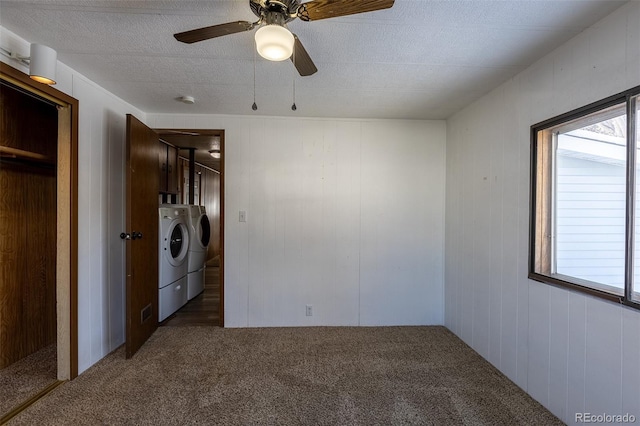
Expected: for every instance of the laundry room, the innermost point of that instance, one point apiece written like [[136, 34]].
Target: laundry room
[[190, 167]]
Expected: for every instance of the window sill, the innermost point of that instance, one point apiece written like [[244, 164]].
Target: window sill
[[558, 281]]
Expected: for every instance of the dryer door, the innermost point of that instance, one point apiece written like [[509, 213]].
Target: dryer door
[[178, 243], [204, 230]]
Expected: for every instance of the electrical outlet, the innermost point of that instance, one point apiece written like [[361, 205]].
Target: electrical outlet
[[309, 310]]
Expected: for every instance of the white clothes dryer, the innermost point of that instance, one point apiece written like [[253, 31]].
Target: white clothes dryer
[[173, 258], [200, 234]]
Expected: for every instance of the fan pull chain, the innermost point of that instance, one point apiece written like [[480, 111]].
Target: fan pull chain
[[294, 107], [254, 106]]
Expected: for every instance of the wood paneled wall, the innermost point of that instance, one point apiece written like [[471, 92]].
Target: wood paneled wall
[[209, 196], [27, 227]]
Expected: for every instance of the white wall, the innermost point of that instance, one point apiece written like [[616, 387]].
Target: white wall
[[571, 352], [101, 162], [344, 215]]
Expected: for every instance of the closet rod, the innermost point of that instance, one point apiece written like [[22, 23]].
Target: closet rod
[[6, 151]]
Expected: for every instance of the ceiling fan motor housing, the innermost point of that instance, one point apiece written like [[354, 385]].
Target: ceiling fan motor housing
[[276, 12]]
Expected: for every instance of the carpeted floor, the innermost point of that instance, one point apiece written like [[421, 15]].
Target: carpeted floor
[[25, 378], [292, 376]]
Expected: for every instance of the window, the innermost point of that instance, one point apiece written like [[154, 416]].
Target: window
[[585, 199]]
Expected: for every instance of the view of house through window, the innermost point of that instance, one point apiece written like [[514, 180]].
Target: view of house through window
[[582, 201], [590, 197]]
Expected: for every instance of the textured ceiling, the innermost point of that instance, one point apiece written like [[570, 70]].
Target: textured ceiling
[[421, 59]]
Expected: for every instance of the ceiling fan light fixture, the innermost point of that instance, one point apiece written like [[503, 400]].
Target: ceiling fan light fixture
[[274, 42]]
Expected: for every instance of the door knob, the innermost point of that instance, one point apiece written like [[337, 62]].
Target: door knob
[[125, 236], [136, 235]]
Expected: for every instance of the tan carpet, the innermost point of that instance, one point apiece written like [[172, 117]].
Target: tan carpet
[[292, 376], [25, 378]]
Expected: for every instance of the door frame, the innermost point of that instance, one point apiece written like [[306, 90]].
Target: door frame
[[67, 217]]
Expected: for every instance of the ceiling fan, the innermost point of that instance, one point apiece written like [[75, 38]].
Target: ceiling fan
[[273, 40]]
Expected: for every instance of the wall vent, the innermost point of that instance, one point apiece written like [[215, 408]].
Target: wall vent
[[145, 313]]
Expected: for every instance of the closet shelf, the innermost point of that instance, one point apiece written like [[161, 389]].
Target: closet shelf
[[7, 152]]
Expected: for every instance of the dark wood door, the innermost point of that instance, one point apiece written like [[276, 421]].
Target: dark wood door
[[142, 226]]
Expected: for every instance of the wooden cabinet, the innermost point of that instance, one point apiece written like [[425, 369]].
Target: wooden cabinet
[[168, 163]]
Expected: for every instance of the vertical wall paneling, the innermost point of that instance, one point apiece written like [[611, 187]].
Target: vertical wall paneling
[[538, 338], [450, 290], [347, 212], [509, 256], [521, 236], [116, 128], [313, 230], [603, 369], [481, 237], [467, 278], [633, 46], [630, 364], [576, 353], [331, 228], [85, 281], [260, 272], [237, 256], [558, 351], [90, 171], [571, 352], [343, 215], [496, 179], [608, 49], [401, 228]]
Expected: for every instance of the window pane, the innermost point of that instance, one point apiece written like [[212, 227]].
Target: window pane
[[589, 199]]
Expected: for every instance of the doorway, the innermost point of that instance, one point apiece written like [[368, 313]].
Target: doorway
[[200, 172], [38, 236]]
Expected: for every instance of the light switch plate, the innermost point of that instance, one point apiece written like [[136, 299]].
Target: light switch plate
[[242, 216]]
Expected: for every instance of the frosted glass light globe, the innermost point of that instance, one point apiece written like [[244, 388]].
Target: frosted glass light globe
[[274, 42]]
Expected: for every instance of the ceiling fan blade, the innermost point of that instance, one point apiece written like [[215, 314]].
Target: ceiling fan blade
[[214, 31], [323, 9], [302, 60]]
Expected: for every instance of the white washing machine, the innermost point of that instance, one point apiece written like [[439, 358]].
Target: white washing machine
[[200, 234], [174, 258]]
